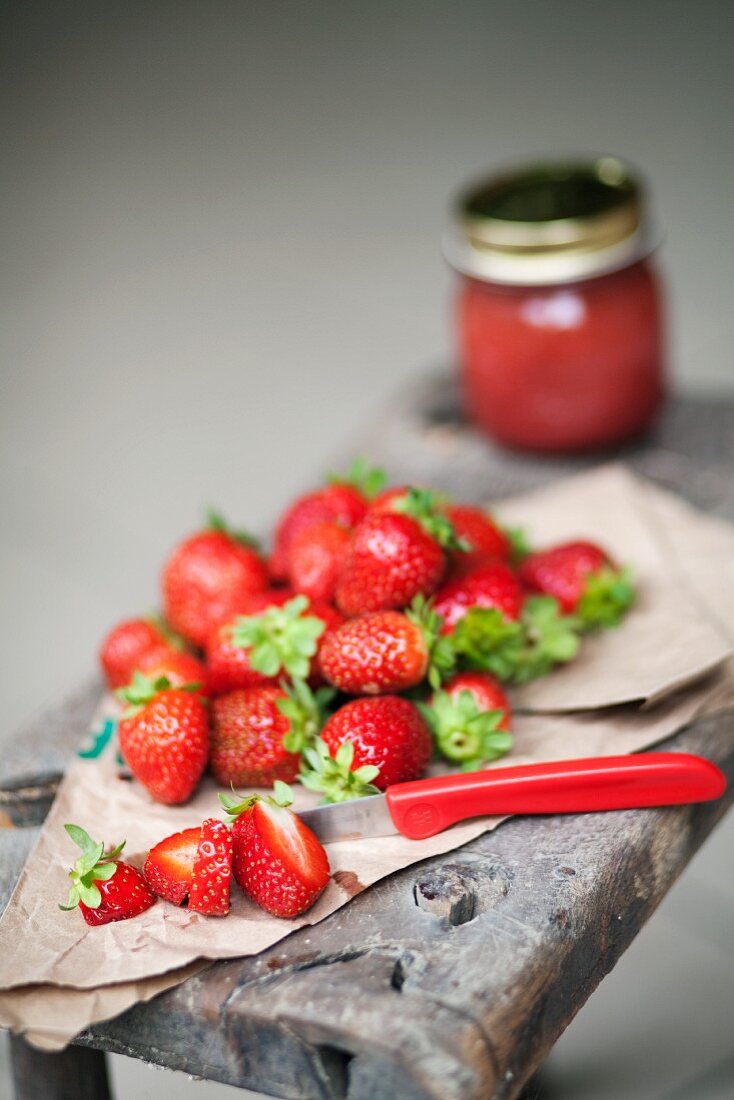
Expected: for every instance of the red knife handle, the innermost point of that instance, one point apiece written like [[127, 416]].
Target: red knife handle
[[428, 806]]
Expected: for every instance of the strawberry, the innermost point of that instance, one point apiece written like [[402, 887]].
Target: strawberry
[[584, 580], [124, 646], [316, 555], [491, 585], [396, 555], [470, 720], [105, 888], [259, 649], [164, 737], [170, 865], [177, 667], [195, 864], [208, 578], [258, 733], [277, 860], [343, 501], [377, 741], [386, 651], [212, 870], [486, 539]]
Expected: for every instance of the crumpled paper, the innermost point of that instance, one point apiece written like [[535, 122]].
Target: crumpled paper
[[668, 640], [49, 957]]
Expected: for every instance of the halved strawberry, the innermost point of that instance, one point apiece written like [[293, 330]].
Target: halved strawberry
[[212, 870], [170, 865], [195, 864], [278, 861]]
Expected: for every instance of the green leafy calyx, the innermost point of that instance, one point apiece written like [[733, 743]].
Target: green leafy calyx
[[463, 732], [281, 639], [333, 775], [484, 639], [367, 479], [608, 595], [519, 543], [305, 711], [441, 655], [94, 865], [426, 507], [215, 521], [143, 689]]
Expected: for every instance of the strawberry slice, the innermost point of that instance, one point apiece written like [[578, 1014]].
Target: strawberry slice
[[278, 861], [212, 871], [169, 867]]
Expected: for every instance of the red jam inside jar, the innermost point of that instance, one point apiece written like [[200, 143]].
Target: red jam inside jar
[[559, 312]]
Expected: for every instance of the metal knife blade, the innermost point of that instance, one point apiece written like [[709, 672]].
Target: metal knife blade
[[352, 820]]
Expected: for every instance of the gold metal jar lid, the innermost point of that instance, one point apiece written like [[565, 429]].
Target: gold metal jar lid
[[551, 222]]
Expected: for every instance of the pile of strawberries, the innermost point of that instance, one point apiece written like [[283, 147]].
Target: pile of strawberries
[[378, 633]]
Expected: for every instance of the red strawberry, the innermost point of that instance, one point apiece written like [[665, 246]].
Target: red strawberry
[[124, 646], [105, 888], [493, 585], [385, 652], [391, 560], [584, 580], [258, 733], [482, 534], [470, 719], [260, 649], [343, 501], [212, 871], [194, 864], [208, 578], [382, 741], [278, 861], [316, 556], [177, 667], [170, 865], [164, 738]]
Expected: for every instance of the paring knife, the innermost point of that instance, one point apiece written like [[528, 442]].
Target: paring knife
[[428, 806]]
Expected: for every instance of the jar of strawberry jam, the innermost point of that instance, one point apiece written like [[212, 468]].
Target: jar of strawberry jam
[[559, 313]]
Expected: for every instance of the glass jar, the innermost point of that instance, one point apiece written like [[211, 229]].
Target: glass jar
[[559, 316]]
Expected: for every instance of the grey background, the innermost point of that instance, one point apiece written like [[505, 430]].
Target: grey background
[[220, 227]]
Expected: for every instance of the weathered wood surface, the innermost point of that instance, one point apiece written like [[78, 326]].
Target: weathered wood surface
[[76, 1073], [451, 979]]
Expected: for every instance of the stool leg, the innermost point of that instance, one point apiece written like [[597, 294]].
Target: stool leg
[[76, 1073]]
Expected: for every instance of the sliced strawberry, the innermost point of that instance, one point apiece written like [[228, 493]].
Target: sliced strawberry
[[169, 867], [278, 861], [212, 870]]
